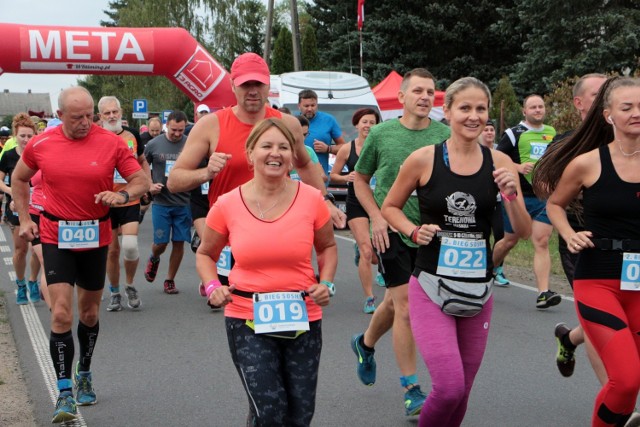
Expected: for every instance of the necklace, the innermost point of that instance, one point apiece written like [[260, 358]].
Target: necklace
[[263, 212], [626, 154]]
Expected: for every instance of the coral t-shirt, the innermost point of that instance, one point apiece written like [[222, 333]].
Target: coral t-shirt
[[73, 172], [270, 256]]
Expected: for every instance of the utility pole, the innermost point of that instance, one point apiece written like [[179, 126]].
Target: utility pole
[[268, 31], [295, 34]]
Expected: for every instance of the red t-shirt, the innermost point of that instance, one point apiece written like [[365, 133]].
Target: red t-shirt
[[73, 172], [232, 140], [270, 256]]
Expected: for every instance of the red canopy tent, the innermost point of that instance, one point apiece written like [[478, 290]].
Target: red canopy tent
[[386, 93]]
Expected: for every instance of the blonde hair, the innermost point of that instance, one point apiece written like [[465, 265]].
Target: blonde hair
[[264, 125]]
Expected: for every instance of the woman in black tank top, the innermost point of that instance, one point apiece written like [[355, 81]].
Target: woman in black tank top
[[456, 183], [357, 218], [602, 159]]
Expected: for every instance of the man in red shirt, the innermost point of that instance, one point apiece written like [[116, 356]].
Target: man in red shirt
[[77, 161]]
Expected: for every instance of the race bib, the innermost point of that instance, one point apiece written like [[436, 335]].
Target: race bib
[[117, 178], [462, 258], [204, 188], [279, 312], [78, 234], [6, 179], [537, 150], [224, 262], [630, 277], [168, 166]]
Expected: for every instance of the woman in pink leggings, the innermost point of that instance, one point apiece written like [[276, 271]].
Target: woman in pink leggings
[[602, 160], [450, 300]]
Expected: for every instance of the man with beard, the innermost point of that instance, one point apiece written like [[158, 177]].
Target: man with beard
[[323, 128], [124, 218], [525, 144]]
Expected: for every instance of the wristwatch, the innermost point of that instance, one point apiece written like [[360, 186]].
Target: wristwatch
[[126, 196], [330, 286], [330, 197]]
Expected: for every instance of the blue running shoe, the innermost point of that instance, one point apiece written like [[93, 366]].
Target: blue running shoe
[[366, 368], [414, 400], [21, 296], [66, 409], [498, 277], [84, 388], [34, 291], [380, 280], [357, 257], [370, 305]]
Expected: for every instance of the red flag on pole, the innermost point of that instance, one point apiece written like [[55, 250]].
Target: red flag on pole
[[360, 14]]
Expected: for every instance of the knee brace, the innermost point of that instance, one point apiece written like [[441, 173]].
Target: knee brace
[[130, 247]]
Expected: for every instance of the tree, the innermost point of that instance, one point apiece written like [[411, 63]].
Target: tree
[[505, 106], [310, 59], [561, 114], [282, 60]]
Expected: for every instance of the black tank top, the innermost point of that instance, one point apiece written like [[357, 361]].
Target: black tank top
[[463, 207], [611, 210], [351, 166]]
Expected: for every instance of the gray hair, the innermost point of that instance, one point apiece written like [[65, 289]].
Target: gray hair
[[107, 99]]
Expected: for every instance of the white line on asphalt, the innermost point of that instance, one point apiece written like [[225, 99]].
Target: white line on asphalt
[[2, 236], [517, 285], [8, 261], [5, 248]]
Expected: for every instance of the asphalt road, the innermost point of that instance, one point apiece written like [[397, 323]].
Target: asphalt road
[[168, 363]]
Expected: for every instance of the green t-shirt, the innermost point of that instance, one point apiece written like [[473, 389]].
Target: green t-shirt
[[8, 145], [386, 148], [532, 145]]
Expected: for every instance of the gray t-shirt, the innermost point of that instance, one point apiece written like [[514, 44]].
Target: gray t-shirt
[[161, 155]]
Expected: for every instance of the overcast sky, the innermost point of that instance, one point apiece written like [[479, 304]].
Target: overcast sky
[[81, 13]]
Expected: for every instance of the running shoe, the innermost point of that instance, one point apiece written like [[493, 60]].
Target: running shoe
[[548, 299], [565, 358], [380, 280], [115, 303], [170, 287], [84, 388], [34, 291], [634, 420], [366, 368], [414, 400], [356, 259], [133, 300], [498, 277], [370, 305], [21, 296], [66, 409], [152, 269]]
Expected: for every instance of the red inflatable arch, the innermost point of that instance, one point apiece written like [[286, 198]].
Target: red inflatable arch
[[169, 52]]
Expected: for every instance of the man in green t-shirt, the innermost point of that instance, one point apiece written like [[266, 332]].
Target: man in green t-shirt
[[386, 147], [525, 144]]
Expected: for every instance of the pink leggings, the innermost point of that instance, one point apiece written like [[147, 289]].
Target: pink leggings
[[452, 348], [611, 319]]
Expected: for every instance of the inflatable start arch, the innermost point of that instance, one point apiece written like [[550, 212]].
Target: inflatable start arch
[[169, 52]]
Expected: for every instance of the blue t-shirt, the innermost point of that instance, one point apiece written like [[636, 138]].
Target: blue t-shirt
[[323, 127]]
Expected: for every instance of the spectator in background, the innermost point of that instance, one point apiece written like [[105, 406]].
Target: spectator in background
[[202, 111], [154, 129], [324, 129]]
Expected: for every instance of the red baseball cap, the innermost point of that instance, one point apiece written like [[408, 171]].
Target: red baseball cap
[[247, 67]]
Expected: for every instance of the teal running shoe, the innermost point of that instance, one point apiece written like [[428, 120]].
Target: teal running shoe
[[34, 291], [366, 368], [498, 277], [21, 296], [66, 409], [414, 400], [84, 388], [380, 280], [370, 305]]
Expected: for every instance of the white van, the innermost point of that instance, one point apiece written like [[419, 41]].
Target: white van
[[339, 94]]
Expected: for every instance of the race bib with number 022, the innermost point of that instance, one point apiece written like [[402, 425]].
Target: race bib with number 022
[[78, 234], [279, 312], [462, 258], [630, 277]]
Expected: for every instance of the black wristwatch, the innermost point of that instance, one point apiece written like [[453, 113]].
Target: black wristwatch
[[126, 196], [330, 197]]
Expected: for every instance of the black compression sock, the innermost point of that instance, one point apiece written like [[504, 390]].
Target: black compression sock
[[87, 337], [566, 342], [364, 346]]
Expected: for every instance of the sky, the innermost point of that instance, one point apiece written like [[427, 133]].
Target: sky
[[81, 13]]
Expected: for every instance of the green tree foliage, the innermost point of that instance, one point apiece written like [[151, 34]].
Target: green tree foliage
[[575, 37], [310, 59], [282, 58], [561, 114], [505, 107]]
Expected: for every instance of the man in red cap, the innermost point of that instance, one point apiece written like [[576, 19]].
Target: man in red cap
[[220, 137]]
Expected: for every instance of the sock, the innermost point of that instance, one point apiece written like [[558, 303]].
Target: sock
[[364, 346], [62, 349], [87, 336], [21, 282], [566, 342], [114, 289], [408, 380]]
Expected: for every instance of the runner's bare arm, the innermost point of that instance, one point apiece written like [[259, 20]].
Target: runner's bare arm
[[201, 143]]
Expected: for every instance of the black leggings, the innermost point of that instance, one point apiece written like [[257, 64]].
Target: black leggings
[[279, 375]]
